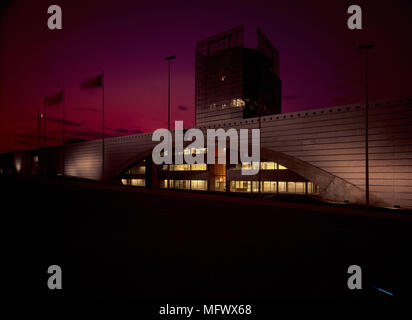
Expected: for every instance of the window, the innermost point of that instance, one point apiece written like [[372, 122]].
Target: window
[[291, 187], [134, 182], [240, 186], [313, 188], [300, 187], [268, 186], [282, 186], [141, 169], [180, 184], [280, 167], [237, 103], [198, 185], [179, 167], [138, 182], [268, 165], [198, 167], [220, 183], [255, 186], [247, 166]]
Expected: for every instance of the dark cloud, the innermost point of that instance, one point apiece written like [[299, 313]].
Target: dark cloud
[[66, 122], [85, 109], [124, 130], [183, 108], [90, 134], [31, 138]]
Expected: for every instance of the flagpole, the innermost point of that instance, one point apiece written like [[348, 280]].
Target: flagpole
[[63, 120], [45, 123], [103, 125], [168, 112], [38, 140]]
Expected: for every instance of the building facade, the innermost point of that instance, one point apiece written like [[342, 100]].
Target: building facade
[[314, 152], [234, 82], [323, 151]]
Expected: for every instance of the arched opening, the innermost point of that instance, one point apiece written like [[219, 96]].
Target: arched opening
[[136, 175], [273, 178]]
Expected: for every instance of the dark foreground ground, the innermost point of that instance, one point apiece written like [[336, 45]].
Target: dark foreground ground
[[166, 247]]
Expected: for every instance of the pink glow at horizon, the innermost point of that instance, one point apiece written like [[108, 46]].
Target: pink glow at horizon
[[320, 65]]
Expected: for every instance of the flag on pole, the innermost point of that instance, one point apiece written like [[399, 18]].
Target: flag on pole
[[54, 98], [97, 82], [94, 82]]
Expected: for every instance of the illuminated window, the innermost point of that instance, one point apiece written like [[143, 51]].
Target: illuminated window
[[134, 182], [291, 188], [310, 186], [198, 185], [198, 167], [180, 167], [282, 186], [268, 186], [138, 182], [247, 166], [268, 165], [180, 184], [17, 164], [220, 182], [280, 167], [255, 186], [240, 186], [300, 187], [137, 170], [313, 188], [237, 103]]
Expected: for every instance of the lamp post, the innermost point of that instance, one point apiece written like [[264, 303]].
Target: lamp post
[[366, 48], [168, 59], [168, 91]]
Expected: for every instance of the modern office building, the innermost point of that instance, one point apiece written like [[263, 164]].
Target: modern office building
[[313, 152], [234, 82], [319, 152]]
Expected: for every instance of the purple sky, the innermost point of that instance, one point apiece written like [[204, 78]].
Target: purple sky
[[320, 65]]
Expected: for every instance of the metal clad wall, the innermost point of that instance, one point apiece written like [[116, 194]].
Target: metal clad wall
[[331, 139]]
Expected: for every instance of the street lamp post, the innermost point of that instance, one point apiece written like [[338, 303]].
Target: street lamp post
[[168, 92], [366, 48], [168, 59]]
